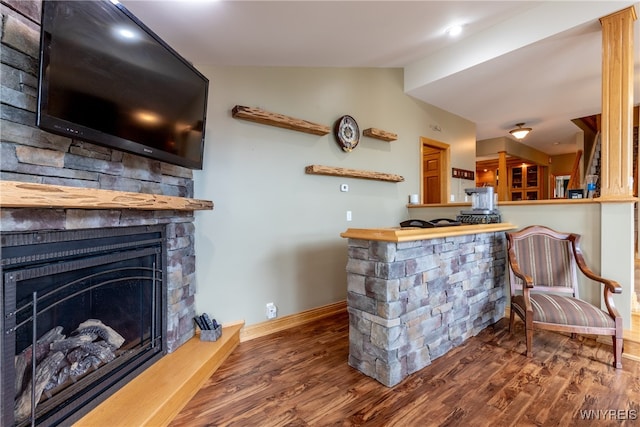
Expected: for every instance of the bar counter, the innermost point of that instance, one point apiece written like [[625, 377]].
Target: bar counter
[[413, 294], [408, 234]]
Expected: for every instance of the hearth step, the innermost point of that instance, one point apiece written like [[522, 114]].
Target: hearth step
[[157, 395]]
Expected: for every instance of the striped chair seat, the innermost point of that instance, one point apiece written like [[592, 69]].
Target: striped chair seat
[[563, 310]]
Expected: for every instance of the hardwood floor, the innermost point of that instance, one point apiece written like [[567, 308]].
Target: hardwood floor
[[300, 377]]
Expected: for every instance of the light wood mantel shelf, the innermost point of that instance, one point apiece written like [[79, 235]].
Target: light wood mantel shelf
[[352, 173], [15, 194]]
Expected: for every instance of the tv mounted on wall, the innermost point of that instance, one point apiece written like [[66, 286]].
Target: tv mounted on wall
[[106, 78]]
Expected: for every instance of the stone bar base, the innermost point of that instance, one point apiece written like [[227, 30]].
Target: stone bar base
[[411, 302]]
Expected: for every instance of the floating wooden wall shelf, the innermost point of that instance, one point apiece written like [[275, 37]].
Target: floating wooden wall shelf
[[380, 134], [352, 173], [257, 115]]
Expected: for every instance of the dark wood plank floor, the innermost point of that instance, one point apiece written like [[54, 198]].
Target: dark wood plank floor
[[301, 378]]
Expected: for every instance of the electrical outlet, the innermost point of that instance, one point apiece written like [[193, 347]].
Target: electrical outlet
[[344, 188], [272, 311]]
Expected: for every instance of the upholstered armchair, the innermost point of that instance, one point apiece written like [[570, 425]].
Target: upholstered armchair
[[543, 266]]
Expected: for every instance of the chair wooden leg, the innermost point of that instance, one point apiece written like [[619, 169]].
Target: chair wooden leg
[[528, 328], [617, 352], [512, 321]]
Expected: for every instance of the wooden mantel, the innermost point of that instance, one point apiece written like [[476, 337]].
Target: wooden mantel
[[15, 194]]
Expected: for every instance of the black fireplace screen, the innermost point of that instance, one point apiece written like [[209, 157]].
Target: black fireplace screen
[[83, 312]]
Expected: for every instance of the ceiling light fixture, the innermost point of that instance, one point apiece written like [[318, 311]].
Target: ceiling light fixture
[[520, 132]]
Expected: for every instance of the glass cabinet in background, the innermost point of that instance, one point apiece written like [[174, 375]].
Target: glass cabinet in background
[[525, 182]]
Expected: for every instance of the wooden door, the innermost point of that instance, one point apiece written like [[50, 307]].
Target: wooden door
[[431, 175], [434, 167]]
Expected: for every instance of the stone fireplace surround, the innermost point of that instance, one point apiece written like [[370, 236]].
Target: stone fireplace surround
[[29, 155], [180, 260]]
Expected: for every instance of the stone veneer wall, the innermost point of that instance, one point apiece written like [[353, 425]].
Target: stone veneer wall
[[412, 302], [31, 155]]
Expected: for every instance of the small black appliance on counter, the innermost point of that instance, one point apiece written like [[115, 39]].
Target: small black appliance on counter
[[440, 222]]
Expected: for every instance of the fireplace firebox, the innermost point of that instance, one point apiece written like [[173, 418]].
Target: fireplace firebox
[[83, 312]]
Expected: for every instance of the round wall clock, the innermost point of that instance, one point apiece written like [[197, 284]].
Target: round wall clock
[[347, 133]]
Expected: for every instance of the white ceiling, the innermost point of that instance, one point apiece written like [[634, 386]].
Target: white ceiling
[[516, 61]]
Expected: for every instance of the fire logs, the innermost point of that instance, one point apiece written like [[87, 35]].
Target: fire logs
[[23, 360], [103, 331], [44, 371], [60, 360]]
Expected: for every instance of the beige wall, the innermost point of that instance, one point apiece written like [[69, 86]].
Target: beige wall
[[273, 235]]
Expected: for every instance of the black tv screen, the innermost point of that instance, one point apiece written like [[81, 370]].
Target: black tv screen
[[108, 79]]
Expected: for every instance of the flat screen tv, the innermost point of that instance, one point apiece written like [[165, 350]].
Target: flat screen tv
[[108, 79]]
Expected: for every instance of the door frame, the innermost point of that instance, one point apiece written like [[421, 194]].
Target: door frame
[[445, 182]]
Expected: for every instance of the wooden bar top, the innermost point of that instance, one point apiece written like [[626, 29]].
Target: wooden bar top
[[408, 234], [601, 200]]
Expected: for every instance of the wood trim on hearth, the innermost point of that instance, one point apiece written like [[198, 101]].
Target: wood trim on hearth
[[158, 394]]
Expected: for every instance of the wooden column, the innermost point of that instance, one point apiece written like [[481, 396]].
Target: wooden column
[[503, 177], [617, 104]]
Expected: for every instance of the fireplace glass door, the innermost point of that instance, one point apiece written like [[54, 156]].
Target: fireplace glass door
[[79, 318]]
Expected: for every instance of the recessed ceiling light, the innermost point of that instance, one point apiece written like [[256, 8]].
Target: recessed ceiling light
[[454, 30]]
